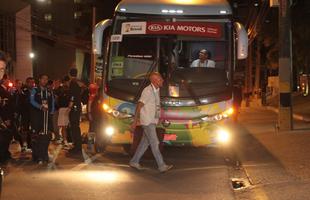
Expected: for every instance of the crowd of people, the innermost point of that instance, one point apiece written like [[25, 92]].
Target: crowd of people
[[30, 112], [37, 111]]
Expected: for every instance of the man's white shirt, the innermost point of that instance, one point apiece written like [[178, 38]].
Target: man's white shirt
[[206, 63], [151, 100]]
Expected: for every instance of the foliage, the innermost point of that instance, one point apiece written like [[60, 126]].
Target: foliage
[[301, 36]]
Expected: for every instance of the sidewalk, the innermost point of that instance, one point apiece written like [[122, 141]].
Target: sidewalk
[[300, 107], [291, 148]]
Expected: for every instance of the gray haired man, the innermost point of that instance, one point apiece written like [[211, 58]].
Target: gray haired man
[[147, 115]]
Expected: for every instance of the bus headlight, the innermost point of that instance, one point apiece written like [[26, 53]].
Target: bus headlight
[[109, 131], [114, 112], [223, 136], [217, 117]]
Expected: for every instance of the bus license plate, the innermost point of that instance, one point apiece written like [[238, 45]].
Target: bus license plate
[[170, 137]]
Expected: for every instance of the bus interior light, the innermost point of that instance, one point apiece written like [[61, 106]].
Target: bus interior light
[[173, 11]]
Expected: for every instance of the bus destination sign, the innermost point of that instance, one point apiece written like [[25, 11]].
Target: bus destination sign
[[176, 28]]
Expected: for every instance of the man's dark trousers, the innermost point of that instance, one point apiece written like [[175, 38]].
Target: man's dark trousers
[[5, 140], [74, 118]]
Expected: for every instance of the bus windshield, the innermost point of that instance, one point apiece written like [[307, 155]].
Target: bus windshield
[[193, 62]]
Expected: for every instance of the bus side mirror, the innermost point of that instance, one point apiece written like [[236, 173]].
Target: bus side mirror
[[97, 36], [242, 41]]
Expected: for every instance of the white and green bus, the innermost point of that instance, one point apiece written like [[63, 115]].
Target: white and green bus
[[166, 36]]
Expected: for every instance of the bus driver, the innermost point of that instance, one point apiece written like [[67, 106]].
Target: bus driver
[[203, 60]]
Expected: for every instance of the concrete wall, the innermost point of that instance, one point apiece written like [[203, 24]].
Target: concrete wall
[[53, 45], [79, 62], [53, 59], [23, 68]]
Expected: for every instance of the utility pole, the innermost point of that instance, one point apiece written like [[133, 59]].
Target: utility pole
[[257, 67], [249, 76], [93, 56], [285, 66]]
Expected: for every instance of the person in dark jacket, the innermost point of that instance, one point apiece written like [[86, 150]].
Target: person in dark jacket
[[42, 108], [237, 99], [24, 110], [6, 114], [93, 93], [75, 106], [63, 100], [16, 94]]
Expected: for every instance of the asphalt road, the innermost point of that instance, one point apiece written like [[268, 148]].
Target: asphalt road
[[277, 164], [199, 173]]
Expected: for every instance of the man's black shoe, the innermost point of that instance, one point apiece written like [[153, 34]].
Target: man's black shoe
[[75, 153]]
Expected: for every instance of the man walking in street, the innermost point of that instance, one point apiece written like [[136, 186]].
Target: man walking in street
[[147, 115], [75, 107]]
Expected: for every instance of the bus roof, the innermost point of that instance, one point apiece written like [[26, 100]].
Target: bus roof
[[175, 7]]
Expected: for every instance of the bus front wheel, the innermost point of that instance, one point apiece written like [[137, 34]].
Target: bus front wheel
[[100, 143]]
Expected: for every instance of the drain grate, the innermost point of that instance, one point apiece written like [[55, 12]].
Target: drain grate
[[238, 184]]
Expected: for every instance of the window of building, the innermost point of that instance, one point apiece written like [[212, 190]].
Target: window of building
[[48, 17], [45, 1], [77, 14]]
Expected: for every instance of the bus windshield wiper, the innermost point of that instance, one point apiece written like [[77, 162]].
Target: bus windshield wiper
[[189, 89], [145, 80]]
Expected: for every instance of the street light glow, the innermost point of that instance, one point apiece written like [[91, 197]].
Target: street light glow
[[31, 55]]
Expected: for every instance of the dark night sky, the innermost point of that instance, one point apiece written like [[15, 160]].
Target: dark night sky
[[244, 10], [11, 6], [105, 8]]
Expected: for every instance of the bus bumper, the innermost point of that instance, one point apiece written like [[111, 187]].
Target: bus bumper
[[207, 134]]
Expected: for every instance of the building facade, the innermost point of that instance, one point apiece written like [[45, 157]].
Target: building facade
[[50, 36]]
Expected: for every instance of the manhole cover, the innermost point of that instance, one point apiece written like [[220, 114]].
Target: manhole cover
[[238, 184]]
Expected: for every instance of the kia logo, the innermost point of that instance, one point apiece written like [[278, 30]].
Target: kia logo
[[155, 27]]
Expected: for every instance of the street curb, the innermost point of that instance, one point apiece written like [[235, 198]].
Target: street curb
[[295, 116]]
